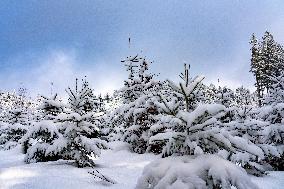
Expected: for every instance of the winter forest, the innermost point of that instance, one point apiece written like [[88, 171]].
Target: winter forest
[[151, 133]]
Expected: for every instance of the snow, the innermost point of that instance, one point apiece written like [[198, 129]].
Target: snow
[[45, 125], [118, 163], [186, 88], [190, 117], [243, 144], [191, 172], [274, 180]]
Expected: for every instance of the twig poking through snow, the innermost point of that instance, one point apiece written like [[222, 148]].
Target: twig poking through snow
[[99, 175]]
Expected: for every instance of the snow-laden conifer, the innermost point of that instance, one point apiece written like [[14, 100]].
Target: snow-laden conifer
[[43, 131], [69, 133], [132, 119], [80, 134]]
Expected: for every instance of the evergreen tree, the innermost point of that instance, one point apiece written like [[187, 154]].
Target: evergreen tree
[[243, 96], [16, 116], [51, 107], [10, 134], [187, 89], [132, 119], [267, 60], [256, 67], [107, 98], [80, 134], [201, 130], [225, 96], [139, 81], [257, 132], [43, 131], [272, 113], [74, 134], [210, 93], [276, 93]]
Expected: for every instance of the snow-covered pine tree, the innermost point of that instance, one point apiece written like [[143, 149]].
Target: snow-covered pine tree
[[80, 135], [140, 113], [139, 116], [43, 131], [201, 130], [107, 98], [16, 118], [17, 109], [243, 97], [275, 94], [188, 89], [274, 101], [225, 96], [17, 115], [210, 93], [40, 140], [255, 98], [92, 103], [132, 119], [69, 133], [273, 113], [267, 61], [257, 67], [180, 130], [139, 81], [272, 57], [10, 134], [51, 107], [247, 126]]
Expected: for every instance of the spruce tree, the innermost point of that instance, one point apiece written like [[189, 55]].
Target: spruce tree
[[202, 130], [225, 96], [43, 131], [272, 113], [69, 133], [256, 67], [243, 97], [16, 119], [132, 119], [267, 60], [80, 139]]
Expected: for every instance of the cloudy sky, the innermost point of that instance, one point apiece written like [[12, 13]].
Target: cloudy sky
[[56, 41]]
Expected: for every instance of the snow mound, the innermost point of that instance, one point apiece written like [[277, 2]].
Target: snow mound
[[186, 172]]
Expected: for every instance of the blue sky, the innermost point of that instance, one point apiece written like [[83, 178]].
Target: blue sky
[[57, 41]]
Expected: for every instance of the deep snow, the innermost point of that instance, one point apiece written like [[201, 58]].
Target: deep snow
[[121, 165]]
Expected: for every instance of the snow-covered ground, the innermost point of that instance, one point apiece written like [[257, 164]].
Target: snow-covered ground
[[119, 164]]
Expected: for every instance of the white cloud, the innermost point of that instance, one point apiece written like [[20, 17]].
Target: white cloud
[[62, 68], [233, 76]]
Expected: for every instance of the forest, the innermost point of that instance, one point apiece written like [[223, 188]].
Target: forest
[[202, 136]]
